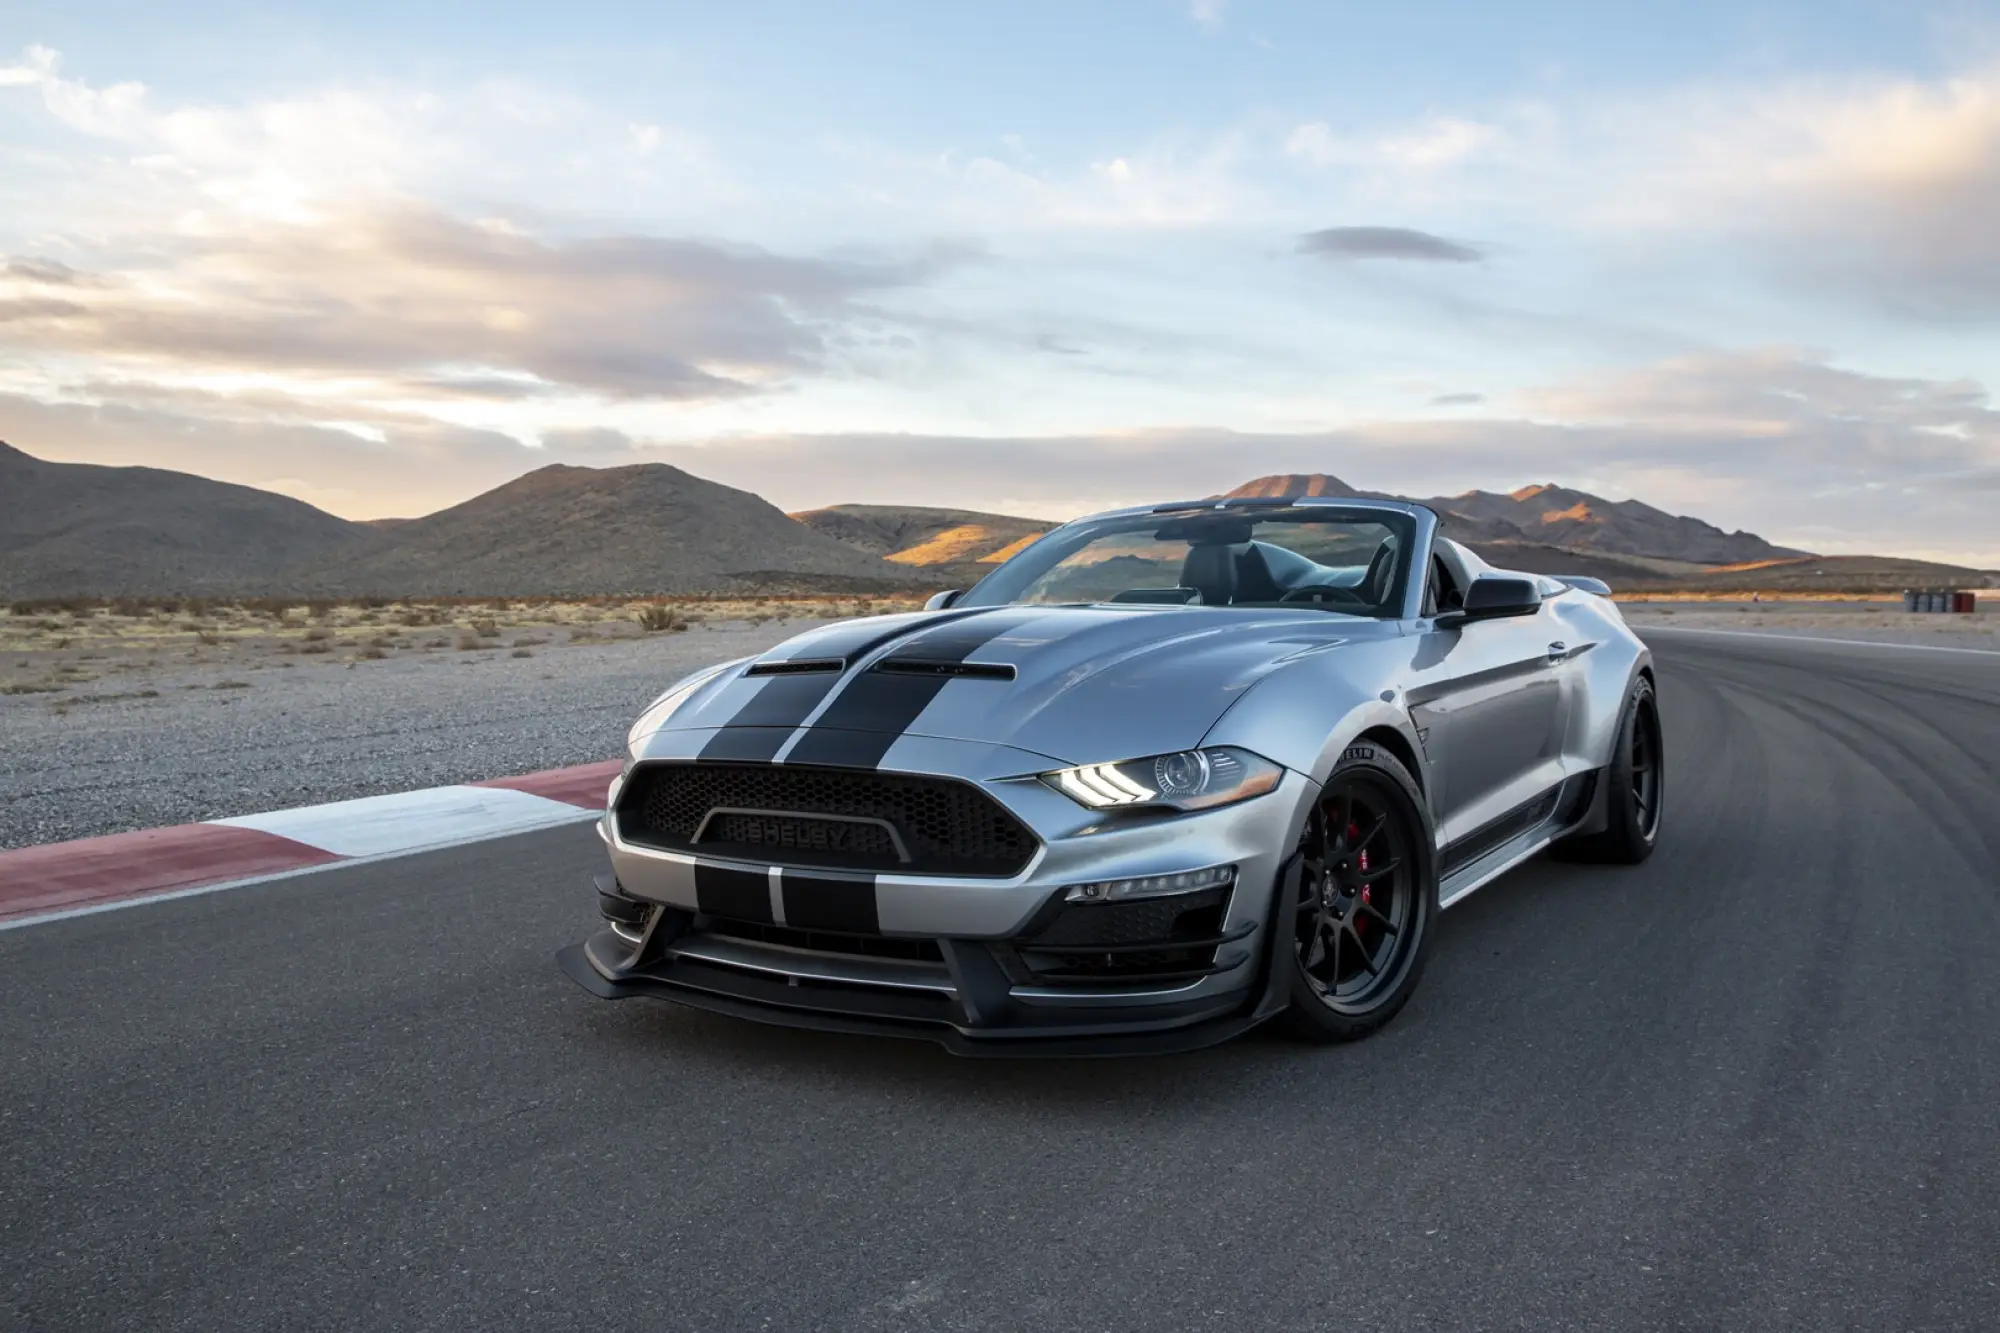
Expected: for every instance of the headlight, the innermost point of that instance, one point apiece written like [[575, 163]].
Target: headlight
[[1185, 780]]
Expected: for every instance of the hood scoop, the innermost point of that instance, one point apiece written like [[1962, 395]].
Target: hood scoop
[[798, 666], [942, 670]]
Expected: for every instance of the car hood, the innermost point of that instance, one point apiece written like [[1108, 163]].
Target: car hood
[[1078, 684]]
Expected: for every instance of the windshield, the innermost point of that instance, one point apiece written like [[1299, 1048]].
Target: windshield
[[1352, 561]]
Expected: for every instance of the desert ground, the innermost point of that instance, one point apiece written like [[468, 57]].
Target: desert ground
[[133, 715], [1872, 620]]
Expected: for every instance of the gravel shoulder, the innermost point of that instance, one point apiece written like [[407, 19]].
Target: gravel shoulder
[[171, 744], [151, 737]]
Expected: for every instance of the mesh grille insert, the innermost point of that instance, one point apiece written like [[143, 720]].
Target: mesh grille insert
[[948, 827], [1185, 927]]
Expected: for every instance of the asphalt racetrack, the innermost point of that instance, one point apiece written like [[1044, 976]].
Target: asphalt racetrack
[[1753, 1084]]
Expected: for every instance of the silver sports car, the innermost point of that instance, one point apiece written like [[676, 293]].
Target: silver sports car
[[1167, 773]]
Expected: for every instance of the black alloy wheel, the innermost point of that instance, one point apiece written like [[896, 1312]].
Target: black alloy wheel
[[1365, 901]]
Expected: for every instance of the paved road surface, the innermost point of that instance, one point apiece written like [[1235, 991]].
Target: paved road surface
[[1754, 1084]]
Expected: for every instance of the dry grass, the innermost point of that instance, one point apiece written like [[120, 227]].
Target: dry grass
[[129, 634]]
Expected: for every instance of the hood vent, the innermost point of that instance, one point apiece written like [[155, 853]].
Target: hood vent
[[917, 666], [797, 666]]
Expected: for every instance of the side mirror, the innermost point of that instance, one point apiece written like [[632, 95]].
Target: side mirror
[[940, 600], [1495, 597]]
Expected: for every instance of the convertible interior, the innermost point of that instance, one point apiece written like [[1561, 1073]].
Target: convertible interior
[[1254, 573]]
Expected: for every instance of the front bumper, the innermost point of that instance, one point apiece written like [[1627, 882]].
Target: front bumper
[[971, 1013], [942, 958]]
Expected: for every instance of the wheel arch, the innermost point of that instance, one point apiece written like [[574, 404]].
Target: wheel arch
[[1396, 743]]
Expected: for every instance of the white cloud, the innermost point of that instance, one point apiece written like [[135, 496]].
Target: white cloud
[[1208, 13], [1427, 145], [113, 112]]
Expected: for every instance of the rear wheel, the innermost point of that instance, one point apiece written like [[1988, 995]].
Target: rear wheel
[[1367, 897], [1636, 781]]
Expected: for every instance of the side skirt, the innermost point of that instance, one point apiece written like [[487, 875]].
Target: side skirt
[[1481, 857]]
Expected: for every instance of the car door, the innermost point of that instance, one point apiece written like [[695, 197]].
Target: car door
[[1489, 702]]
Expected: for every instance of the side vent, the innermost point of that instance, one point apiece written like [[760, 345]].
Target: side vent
[[917, 666], [798, 666]]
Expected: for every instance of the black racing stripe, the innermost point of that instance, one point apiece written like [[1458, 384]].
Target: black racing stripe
[[821, 902], [865, 719], [767, 720], [740, 895], [784, 702]]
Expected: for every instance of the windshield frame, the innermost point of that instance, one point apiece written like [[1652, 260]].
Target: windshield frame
[[999, 587]]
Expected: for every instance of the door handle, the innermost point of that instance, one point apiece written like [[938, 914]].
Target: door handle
[[1558, 651]]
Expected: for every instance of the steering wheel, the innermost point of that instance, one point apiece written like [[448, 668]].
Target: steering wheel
[[1322, 592]]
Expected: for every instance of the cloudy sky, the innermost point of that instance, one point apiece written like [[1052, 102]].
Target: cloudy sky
[[1739, 260]]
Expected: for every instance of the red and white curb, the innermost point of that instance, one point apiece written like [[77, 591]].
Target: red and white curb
[[63, 879]]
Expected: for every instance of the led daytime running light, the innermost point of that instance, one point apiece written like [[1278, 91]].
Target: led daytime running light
[[1099, 785], [1150, 886]]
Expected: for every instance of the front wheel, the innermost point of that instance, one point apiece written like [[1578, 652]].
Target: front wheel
[[1636, 778], [1367, 897]]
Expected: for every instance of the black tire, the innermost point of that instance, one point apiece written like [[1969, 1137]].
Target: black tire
[[1370, 831], [1636, 787]]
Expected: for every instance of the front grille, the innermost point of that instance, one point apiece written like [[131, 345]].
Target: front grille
[[946, 827], [1147, 940]]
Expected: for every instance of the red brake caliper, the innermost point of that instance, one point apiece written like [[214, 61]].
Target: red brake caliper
[[1360, 861]]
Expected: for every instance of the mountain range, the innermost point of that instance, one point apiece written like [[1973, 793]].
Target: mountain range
[[79, 529]]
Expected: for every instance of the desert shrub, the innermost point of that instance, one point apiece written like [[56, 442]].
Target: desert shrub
[[520, 652], [655, 618], [234, 684], [468, 642], [372, 653], [207, 638], [382, 641], [372, 603], [530, 641], [316, 646], [319, 608], [318, 635], [274, 607], [486, 627], [47, 606]]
